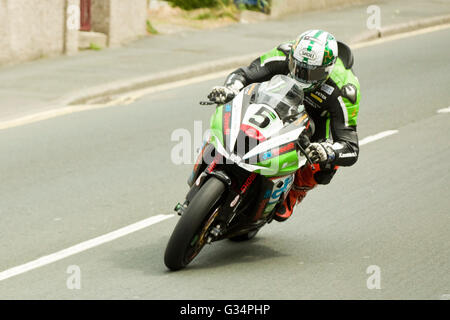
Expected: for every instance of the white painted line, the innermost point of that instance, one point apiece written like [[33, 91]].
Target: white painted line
[[399, 36], [130, 97], [182, 83], [83, 246], [445, 110], [121, 100], [377, 136]]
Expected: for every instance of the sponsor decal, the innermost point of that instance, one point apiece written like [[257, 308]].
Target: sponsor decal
[[299, 121], [250, 91], [308, 54], [235, 200], [327, 89], [277, 193], [252, 132], [311, 103], [266, 155], [226, 123], [320, 94], [347, 155], [213, 164], [309, 38], [278, 151], [248, 182], [316, 97]]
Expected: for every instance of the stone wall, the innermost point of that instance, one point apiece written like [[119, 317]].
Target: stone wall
[[122, 21], [100, 12], [31, 29]]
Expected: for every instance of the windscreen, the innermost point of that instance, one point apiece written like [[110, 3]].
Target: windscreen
[[283, 94]]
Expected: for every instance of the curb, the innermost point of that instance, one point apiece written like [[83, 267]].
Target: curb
[[124, 86], [401, 28], [106, 91]]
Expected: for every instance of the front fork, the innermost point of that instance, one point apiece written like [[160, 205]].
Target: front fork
[[200, 164]]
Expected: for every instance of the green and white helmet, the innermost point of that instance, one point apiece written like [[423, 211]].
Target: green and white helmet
[[312, 58]]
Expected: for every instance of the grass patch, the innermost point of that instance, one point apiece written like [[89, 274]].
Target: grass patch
[[150, 28], [196, 4], [223, 12], [94, 46]]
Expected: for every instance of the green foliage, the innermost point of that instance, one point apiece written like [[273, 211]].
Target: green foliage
[[94, 46], [150, 28], [260, 5], [196, 4], [211, 15]]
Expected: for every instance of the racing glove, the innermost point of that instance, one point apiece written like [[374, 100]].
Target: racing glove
[[321, 153], [221, 94]]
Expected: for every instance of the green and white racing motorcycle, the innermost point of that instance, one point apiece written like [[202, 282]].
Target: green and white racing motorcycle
[[244, 170]]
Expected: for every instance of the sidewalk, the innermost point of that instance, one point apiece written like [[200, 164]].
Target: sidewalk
[[50, 83]]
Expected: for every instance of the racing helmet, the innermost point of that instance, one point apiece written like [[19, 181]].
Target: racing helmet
[[312, 58]]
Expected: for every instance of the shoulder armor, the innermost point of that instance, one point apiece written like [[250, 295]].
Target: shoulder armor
[[285, 48], [350, 92]]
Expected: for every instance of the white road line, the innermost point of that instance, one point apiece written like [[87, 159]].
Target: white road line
[[399, 36], [377, 136], [83, 246], [445, 110], [130, 97]]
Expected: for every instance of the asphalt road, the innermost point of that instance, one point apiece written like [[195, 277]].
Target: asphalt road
[[74, 178]]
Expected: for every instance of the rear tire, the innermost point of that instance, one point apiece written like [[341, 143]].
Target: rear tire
[[180, 251]]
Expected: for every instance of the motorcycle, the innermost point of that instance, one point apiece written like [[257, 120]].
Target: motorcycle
[[245, 168]]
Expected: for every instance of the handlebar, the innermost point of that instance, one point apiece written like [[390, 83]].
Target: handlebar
[[306, 155], [206, 103]]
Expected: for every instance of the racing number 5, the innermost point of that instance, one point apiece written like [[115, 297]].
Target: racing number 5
[[261, 119]]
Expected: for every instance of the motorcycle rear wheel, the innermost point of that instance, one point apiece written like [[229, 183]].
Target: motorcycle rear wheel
[[188, 237]]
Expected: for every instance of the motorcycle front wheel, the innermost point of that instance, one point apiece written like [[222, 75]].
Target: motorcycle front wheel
[[188, 237]]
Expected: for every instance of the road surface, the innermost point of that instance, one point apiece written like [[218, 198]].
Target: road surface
[[74, 178]]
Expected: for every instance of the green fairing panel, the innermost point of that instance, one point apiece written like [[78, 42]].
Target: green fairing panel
[[341, 77], [275, 165], [216, 126]]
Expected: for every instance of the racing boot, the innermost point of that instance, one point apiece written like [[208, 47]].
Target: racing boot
[[304, 181]]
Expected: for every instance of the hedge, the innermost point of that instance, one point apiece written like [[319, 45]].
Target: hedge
[[195, 4]]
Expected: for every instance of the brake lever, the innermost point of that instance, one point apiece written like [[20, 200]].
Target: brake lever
[[206, 103], [306, 156]]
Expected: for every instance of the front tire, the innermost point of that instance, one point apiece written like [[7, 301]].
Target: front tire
[[183, 245]]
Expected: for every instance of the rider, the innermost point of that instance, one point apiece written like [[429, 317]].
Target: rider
[[331, 99]]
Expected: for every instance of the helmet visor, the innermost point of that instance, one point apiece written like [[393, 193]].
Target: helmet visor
[[308, 74]]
